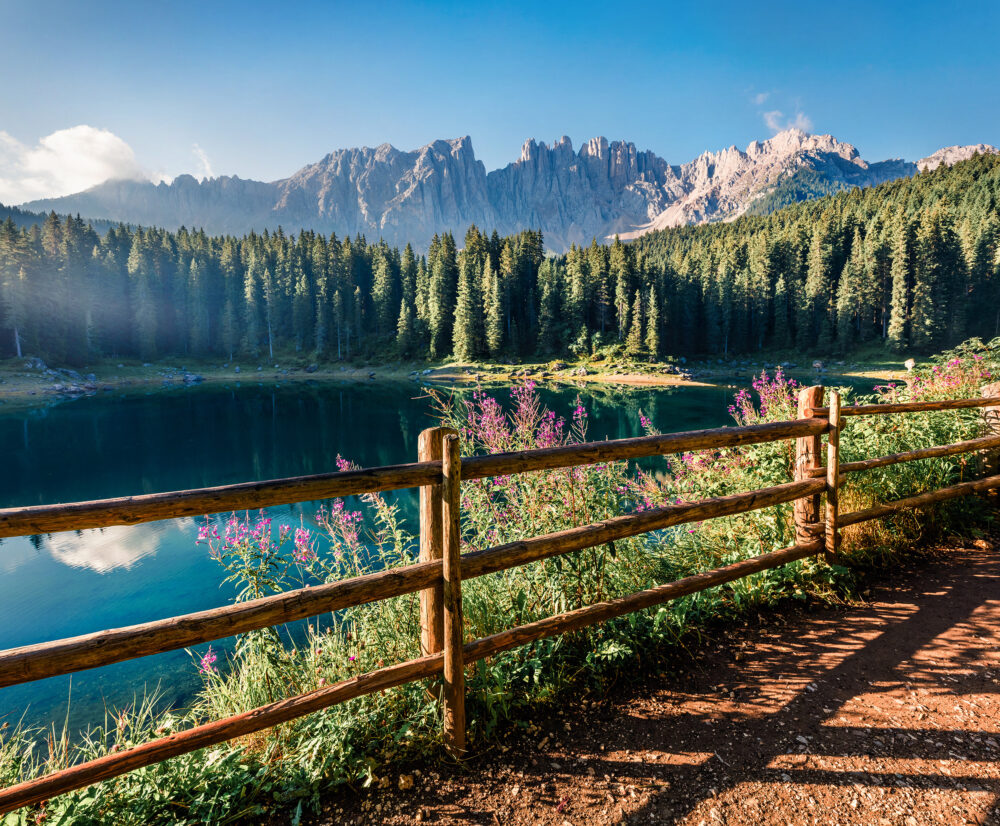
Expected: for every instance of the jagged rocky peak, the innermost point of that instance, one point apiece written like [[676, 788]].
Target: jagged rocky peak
[[608, 187], [793, 140], [949, 155], [532, 150], [595, 147]]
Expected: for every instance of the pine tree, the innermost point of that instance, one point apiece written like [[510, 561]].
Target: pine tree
[[634, 340], [465, 336], [898, 331], [198, 315], [782, 308], [493, 310], [621, 274], [139, 268], [404, 329], [303, 309], [817, 327], [548, 308], [383, 295], [229, 332], [847, 308], [653, 326]]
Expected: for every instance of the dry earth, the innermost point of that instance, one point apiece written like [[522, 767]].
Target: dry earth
[[884, 713]]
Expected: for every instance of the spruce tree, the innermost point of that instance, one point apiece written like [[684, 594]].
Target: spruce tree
[[198, 318], [467, 313], [898, 331], [653, 325], [493, 310], [634, 341], [404, 329]]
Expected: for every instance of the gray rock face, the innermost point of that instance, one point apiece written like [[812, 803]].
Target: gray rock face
[[605, 188], [722, 185], [400, 196]]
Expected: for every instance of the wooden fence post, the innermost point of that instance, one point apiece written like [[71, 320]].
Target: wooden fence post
[[807, 460], [431, 544], [833, 480], [991, 416], [454, 633]]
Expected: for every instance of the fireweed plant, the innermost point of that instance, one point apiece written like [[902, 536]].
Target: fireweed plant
[[357, 742]]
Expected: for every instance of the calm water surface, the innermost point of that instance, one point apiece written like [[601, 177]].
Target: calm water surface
[[118, 444]]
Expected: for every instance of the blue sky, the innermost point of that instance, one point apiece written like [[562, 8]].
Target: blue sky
[[259, 89]]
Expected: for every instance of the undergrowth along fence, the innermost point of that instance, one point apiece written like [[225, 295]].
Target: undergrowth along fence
[[441, 569]]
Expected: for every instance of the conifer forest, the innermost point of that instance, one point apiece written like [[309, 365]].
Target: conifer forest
[[913, 264]]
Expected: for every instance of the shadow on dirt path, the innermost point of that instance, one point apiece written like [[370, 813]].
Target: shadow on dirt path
[[887, 713]]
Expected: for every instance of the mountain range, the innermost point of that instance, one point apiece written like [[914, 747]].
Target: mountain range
[[605, 188]]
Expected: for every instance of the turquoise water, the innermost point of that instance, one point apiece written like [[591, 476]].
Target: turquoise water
[[118, 444]]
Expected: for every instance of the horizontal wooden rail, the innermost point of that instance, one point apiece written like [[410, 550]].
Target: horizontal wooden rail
[[921, 500], [258, 719], [66, 656], [131, 510], [970, 446], [904, 407], [603, 611], [218, 731], [591, 453], [524, 551]]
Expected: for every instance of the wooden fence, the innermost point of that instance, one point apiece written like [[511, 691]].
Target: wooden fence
[[441, 569]]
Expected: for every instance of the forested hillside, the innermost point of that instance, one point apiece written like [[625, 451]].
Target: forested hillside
[[914, 263]]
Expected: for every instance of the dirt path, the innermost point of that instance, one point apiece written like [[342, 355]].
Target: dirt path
[[887, 713]]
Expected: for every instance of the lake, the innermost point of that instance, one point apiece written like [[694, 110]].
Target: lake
[[126, 443]]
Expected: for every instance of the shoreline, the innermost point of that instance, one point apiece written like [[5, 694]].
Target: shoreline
[[29, 382]]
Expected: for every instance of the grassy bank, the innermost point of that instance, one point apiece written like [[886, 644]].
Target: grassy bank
[[364, 741], [31, 381]]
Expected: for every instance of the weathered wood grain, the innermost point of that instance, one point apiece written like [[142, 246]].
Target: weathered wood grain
[[132, 510], [904, 407], [831, 538], [590, 453], [35, 662], [807, 460], [453, 708], [921, 500], [431, 616], [603, 611], [524, 551], [218, 731], [955, 449]]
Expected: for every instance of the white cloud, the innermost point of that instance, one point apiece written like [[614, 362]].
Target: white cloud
[[773, 120], [67, 161], [204, 164], [760, 97], [777, 122], [801, 121], [104, 550]]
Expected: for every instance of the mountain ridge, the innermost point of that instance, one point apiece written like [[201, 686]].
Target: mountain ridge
[[604, 188]]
